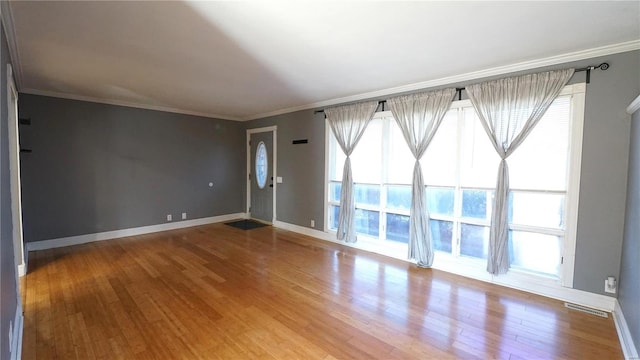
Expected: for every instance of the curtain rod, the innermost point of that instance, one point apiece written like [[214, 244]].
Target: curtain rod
[[603, 66]]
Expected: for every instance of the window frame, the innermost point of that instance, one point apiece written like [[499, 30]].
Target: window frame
[[469, 266]]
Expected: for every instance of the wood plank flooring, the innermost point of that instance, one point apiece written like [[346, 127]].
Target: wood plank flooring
[[215, 292]]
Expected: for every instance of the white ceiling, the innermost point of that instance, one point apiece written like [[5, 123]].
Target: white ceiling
[[244, 60]]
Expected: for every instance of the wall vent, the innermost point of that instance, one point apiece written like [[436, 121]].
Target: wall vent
[[586, 310]]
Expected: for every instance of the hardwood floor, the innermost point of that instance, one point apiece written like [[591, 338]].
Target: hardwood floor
[[215, 292]]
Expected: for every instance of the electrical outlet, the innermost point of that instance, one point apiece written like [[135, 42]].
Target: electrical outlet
[[169, 217], [184, 216], [313, 223], [610, 285]]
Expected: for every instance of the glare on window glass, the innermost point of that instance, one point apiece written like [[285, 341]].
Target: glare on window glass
[[401, 160], [367, 194], [366, 160], [337, 157], [334, 212], [476, 203], [439, 161], [399, 197], [398, 228], [440, 200], [540, 162], [335, 189], [474, 241], [535, 252], [441, 234], [367, 222], [536, 209], [480, 160]]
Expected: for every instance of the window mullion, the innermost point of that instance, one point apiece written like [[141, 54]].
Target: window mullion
[[457, 207], [384, 176]]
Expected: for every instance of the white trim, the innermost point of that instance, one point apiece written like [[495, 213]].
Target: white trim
[[626, 341], [108, 235], [127, 104], [474, 75], [7, 22], [572, 201], [16, 337], [274, 156], [327, 154], [14, 170], [634, 106]]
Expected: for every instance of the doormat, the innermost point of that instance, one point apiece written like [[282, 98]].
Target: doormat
[[246, 224]]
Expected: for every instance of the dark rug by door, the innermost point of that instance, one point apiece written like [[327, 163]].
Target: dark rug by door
[[246, 224]]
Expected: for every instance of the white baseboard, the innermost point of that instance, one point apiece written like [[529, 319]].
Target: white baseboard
[[550, 289], [16, 336], [626, 341], [107, 235]]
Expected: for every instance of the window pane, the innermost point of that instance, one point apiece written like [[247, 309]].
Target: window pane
[[475, 203], [474, 240], [398, 228], [535, 252], [367, 194], [441, 233], [439, 162], [334, 213], [366, 159], [367, 222], [540, 162], [399, 197], [401, 160], [335, 189], [480, 160], [536, 209], [336, 158], [440, 201]]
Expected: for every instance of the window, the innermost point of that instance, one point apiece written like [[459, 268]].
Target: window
[[261, 165], [460, 171]]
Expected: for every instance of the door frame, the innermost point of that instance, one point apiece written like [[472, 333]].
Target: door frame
[[274, 161], [14, 173]]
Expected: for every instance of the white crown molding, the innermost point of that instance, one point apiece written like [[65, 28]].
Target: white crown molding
[[7, 22], [634, 106], [126, 103], [626, 340], [108, 235], [500, 70]]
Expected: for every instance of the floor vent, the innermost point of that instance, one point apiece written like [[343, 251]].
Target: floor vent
[[586, 310]]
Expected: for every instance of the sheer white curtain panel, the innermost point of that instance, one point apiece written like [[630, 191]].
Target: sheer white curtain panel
[[348, 123], [419, 116], [509, 109]]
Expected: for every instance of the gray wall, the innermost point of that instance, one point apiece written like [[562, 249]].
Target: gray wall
[[97, 167], [629, 295], [8, 285], [603, 178], [299, 196], [605, 155]]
